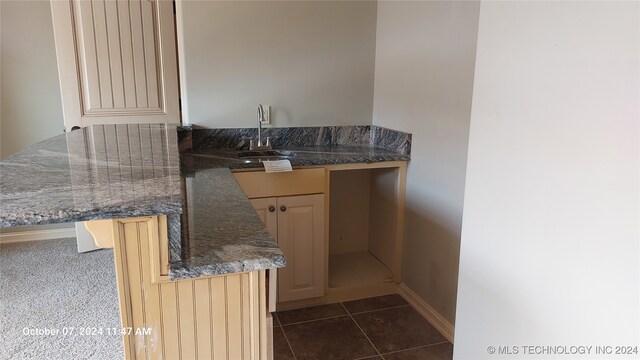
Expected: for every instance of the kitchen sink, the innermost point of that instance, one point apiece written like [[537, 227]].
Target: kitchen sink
[[254, 156], [283, 154]]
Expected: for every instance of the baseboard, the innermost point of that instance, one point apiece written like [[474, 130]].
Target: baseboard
[[35, 235], [432, 316]]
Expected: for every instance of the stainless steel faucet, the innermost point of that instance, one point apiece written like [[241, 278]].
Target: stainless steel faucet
[[259, 146]]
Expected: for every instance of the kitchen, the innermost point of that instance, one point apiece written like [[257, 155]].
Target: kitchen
[[410, 67]]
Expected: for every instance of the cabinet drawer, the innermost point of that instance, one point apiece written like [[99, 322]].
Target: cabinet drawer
[[259, 184]]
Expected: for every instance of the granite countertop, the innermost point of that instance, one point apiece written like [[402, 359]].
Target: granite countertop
[[120, 171], [303, 156], [221, 232], [99, 172], [312, 146]]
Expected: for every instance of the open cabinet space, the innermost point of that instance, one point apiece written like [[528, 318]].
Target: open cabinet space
[[363, 218]]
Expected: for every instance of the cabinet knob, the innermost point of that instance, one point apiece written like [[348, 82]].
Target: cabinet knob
[[283, 208], [272, 208]]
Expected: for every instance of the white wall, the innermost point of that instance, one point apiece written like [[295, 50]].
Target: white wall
[[312, 61], [550, 252], [424, 76], [30, 103]]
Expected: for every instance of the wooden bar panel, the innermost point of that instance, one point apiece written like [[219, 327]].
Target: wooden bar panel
[[150, 295], [153, 319], [203, 322], [222, 317], [186, 310], [169, 320], [247, 323], [234, 316], [122, 282], [132, 231]]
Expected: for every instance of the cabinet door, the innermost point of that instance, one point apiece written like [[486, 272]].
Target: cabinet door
[[266, 209], [116, 61], [301, 238]]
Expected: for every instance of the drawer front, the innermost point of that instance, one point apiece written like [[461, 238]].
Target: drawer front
[[259, 184]]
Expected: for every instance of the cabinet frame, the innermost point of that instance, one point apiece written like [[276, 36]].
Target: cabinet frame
[[333, 295]]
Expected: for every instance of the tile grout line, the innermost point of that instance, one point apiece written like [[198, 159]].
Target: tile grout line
[[362, 331], [286, 339], [347, 314], [308, 321], [370, 311], [415, 347]]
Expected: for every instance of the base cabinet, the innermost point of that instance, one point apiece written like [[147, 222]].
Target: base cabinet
[[342, 231], [297, 224]]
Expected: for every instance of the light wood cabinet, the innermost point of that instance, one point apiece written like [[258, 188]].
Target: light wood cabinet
[[356, 251], [266, 209], [116, 61], [292, 207], [297, 224]]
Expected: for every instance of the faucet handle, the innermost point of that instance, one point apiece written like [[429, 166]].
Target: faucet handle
[[268, 143]]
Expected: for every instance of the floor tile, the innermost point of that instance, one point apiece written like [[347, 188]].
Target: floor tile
[[431, 352], [281, 350], [356, 268], [398, 328], [310, 313], [329, 339], [374, 303]]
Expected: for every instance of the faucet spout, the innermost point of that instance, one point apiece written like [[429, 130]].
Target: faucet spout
[[259, 145], [260, 118]]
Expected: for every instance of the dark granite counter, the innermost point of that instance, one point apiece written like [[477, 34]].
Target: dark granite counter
[[99, 172], [223, 233], [119, 171], [302, 156], [311, 146], [110, 172]]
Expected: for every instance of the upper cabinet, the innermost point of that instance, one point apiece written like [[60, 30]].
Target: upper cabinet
[[116, 61]]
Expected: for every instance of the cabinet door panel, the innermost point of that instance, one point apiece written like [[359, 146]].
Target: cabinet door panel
[[116, 61], [301, 238], [269, 218]]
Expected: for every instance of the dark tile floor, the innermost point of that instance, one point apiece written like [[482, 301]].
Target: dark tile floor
[[383, 327]]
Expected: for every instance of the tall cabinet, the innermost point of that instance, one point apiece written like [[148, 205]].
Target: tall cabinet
[[116, 61]]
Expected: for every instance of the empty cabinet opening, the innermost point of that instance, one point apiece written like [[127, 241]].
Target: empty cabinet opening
[[362, 227]]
